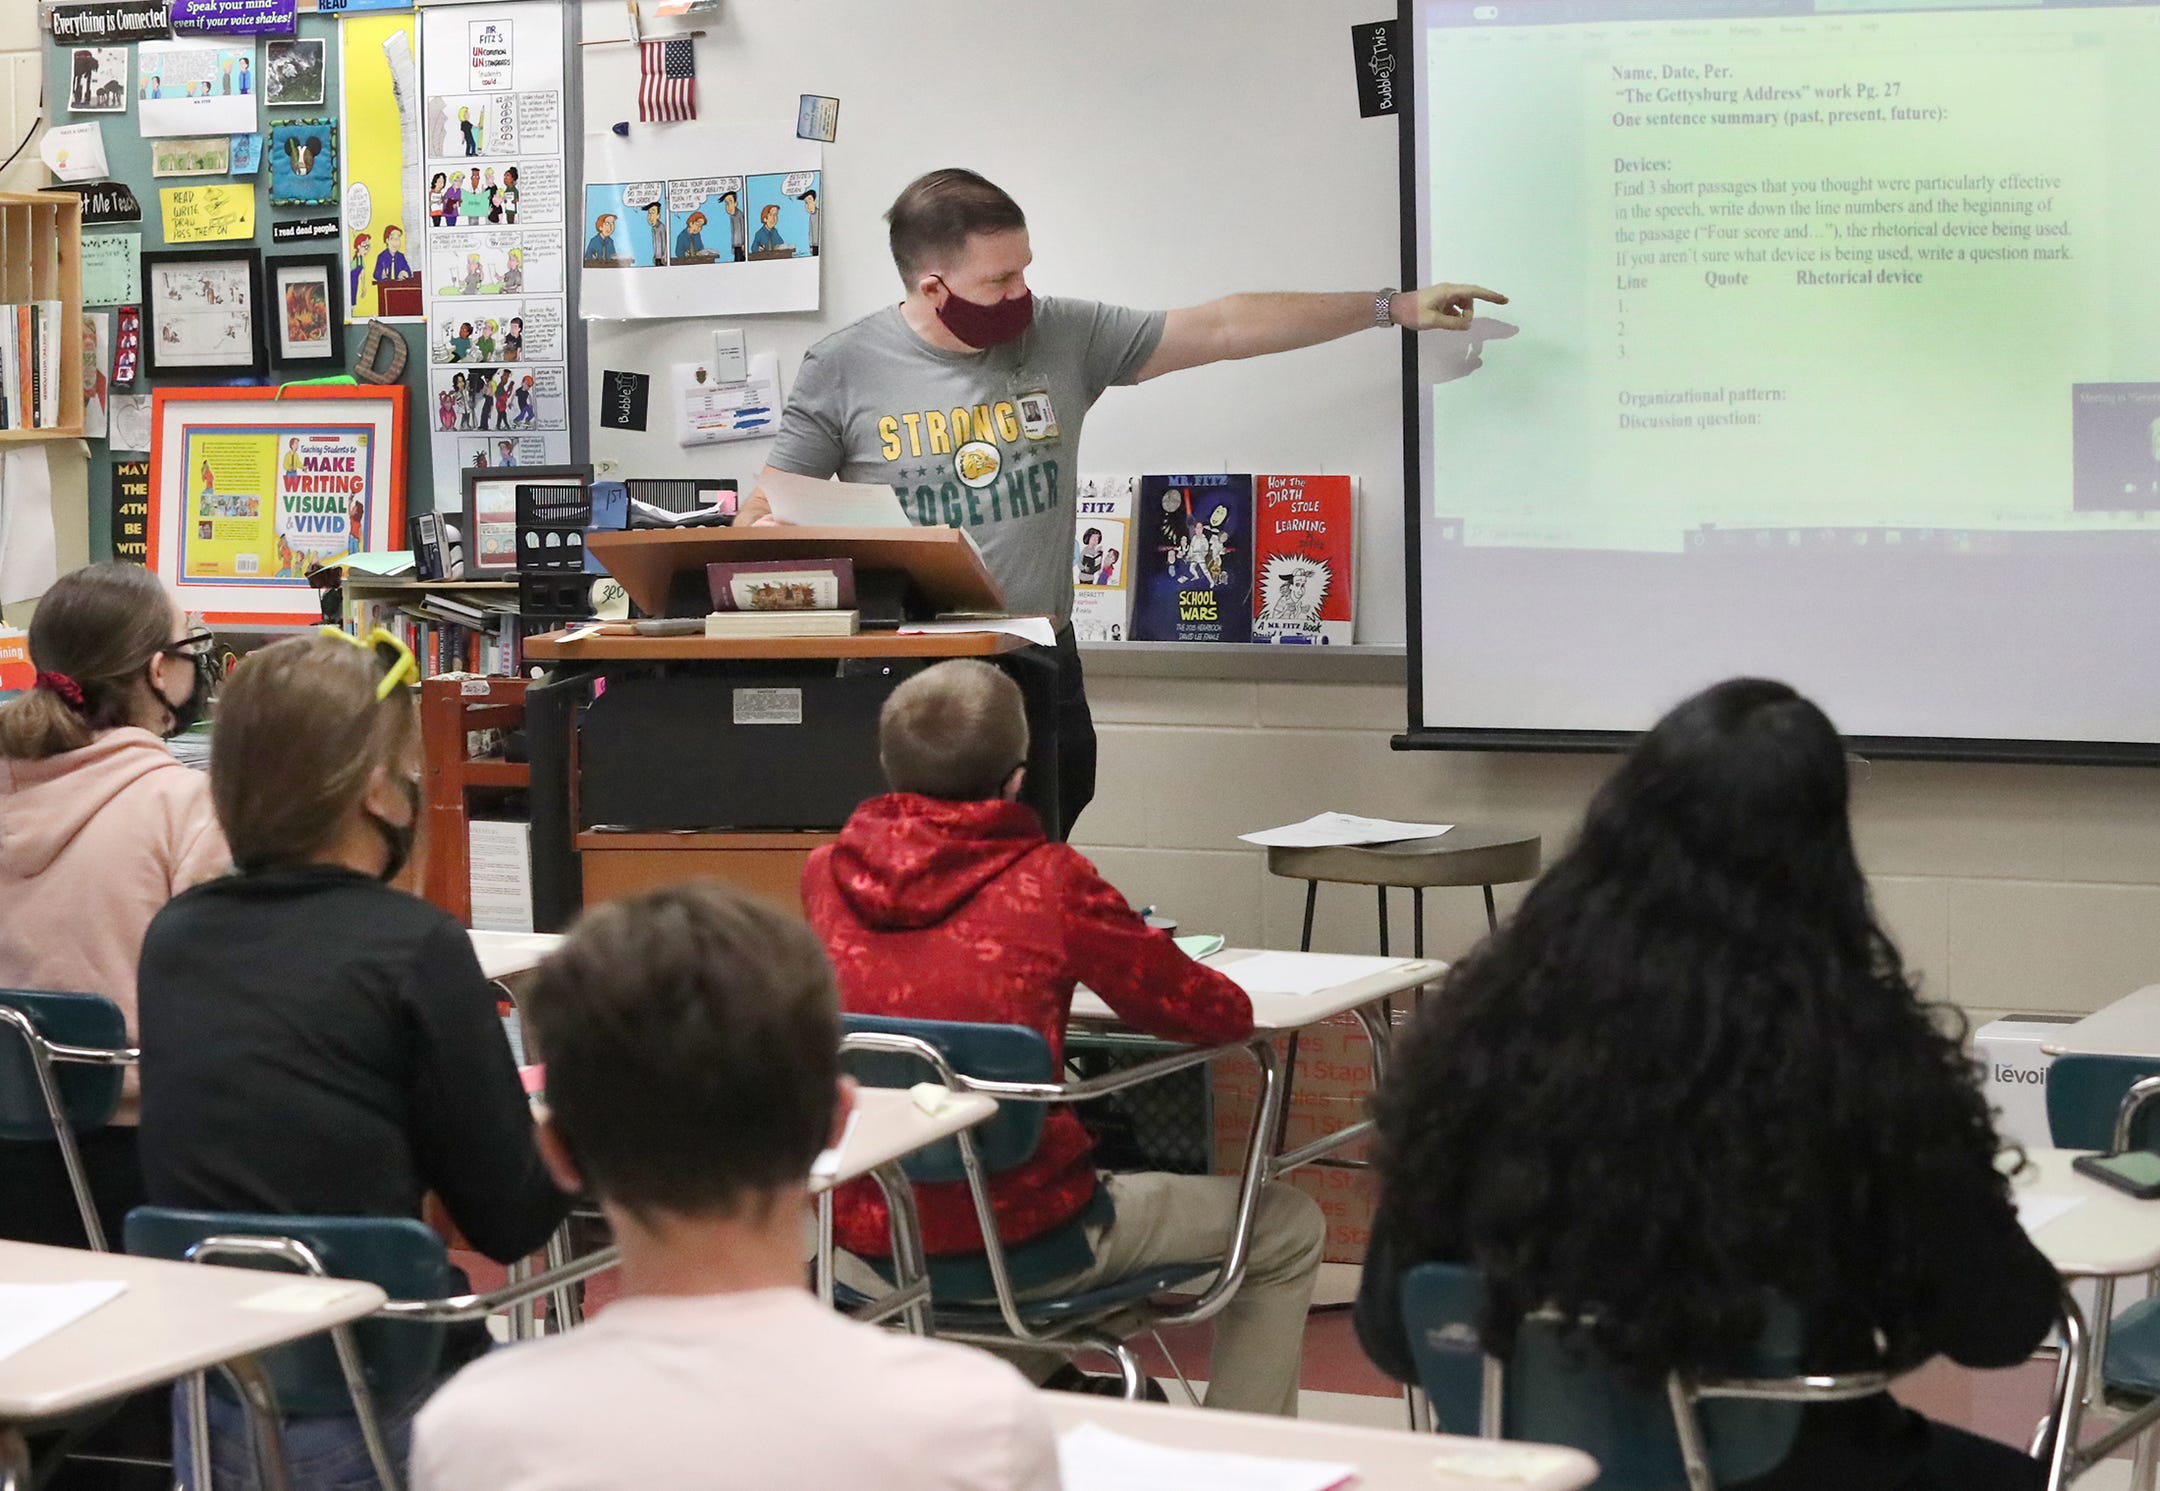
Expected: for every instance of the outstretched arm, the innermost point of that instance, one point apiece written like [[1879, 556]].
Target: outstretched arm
[[1254, 325]]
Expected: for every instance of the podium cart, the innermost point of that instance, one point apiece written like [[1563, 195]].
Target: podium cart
[[659, 759]]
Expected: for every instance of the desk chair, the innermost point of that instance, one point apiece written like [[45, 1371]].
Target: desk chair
[[2106, 1103], [390, 1356], [974, 1297], [1557, 1389], [62, 1061]]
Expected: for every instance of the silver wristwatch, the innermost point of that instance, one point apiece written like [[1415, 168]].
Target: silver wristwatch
[[1383, 309]]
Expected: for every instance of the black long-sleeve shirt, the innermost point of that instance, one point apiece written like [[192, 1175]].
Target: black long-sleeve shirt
[[1990, 1299], [317, 1044]]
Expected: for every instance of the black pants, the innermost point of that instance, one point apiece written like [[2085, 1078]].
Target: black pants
[[36, 1203], [1075, 738]]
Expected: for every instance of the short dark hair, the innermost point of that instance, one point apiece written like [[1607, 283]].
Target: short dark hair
[[1092, 533], [954, 731], [936, 214], [692, 1040]]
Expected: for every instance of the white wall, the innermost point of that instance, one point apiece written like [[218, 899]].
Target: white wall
[[1171, 150], [1165, 151]]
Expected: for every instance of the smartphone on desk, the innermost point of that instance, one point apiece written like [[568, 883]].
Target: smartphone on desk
[[2136, 1171]]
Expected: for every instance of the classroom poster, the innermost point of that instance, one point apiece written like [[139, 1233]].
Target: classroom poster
[[382, 192], [498, 389], [271, 505], [208, 214], [195, 88], [699, 220], [111, 268]]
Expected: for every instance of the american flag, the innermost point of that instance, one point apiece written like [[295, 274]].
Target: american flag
[[667, 81]]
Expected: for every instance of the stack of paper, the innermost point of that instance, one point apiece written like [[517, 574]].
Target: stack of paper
[[31, 1312], [1092, 1458], [1324, 830]]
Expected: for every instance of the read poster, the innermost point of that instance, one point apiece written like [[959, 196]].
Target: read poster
[[272, 506]]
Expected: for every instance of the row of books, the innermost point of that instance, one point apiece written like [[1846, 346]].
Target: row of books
[[1216, 557], [30, 365], [448, 635]]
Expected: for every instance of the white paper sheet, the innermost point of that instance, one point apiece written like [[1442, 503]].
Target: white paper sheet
[[131, 424], [1036, 629], [31, 1312], [1323, 829], [29, 553], [811, 503], [1301, 974], [1502, 1462], [709, 411], [74, 152], [2036, 1210], [199, 86], [1092, 1458], [502, 954]]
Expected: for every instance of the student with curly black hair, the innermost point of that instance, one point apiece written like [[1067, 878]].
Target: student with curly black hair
[[1692, 1069]]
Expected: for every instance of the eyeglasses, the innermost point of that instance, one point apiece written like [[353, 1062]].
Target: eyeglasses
[[396, 658], [196, 644]]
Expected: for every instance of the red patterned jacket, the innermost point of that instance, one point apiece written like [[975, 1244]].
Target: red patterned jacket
[[940, 910]]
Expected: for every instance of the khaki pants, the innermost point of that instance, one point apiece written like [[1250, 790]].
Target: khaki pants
[[1162, 1219]]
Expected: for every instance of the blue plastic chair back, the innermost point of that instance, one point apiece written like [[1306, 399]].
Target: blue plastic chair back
[[400, 1254], [1560, 1390], [2084, 1093], [88, 1094], [995, 1053]]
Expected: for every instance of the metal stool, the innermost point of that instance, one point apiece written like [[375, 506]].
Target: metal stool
[[1466, 855]]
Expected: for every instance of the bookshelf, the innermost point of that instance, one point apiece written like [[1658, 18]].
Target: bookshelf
[[41, 259]]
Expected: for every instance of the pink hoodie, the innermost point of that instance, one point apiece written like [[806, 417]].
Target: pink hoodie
[[92, 844]]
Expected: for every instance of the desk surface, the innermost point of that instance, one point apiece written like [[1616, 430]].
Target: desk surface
[[1386, 1459], [2128, 1027], [2106, 1235], [889, 1126], [551, 648], [507, 954], [172, 1319], [1282, 1013]]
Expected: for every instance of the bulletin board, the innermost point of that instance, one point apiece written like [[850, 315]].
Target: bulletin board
[[128, 156]]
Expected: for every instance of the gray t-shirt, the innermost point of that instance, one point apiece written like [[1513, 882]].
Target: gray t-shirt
[[985, 441]]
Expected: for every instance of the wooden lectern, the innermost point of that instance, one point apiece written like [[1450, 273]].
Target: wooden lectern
[[662, 759]]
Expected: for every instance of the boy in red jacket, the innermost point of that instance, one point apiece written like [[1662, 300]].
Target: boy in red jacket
[[943, 900]]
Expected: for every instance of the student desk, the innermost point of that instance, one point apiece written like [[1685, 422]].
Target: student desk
[[505, 955], [1386, 1459], [2106, 1234], [171, 1320], [2128, 1027]]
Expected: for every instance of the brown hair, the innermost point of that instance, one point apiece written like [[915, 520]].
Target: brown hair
[[955, 730], [100, 626], [692, 1042], [299, 731], [937, 212]]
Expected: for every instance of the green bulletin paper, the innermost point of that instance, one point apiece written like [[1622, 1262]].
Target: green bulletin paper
[[112, 268]]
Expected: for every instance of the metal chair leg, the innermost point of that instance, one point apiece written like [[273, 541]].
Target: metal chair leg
[[1694, 1453], [1312, 897], [522, 1325], [1128, 1365], [1492, 915], [1417, 920], [198, 1411], [566, 1303], [1382, 890], [41, 1066], [268, 1430], [2145, 1461], [363, 1401], [1170, 1357], [14, 1459]]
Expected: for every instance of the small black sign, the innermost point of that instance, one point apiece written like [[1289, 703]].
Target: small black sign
[[106, 202], [306, 230], [113, 20], [131, 511], [623, 397], [1372, 48]]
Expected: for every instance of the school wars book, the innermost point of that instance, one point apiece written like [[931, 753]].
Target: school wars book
[[1304, 579], [1194, 580], [1103, 558]]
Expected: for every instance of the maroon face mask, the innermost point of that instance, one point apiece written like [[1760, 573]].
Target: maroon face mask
[[986, 326]]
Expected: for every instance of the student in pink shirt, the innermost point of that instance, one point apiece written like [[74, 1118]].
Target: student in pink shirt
[[100, 826], [691, 1038]]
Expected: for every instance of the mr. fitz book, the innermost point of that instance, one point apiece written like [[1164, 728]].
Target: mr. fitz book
[[1103, 558], [1194, 536], [1303, 580]]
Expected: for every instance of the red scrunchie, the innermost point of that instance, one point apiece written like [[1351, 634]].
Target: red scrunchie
[[68, 689]]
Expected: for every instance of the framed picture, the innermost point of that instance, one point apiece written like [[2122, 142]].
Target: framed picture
[[200, 316], [292, 73], [252, 488], [303, 162], [490, 531], [307, 324]]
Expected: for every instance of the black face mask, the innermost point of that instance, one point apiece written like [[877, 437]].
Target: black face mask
[[189, 712], [398, 838]]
